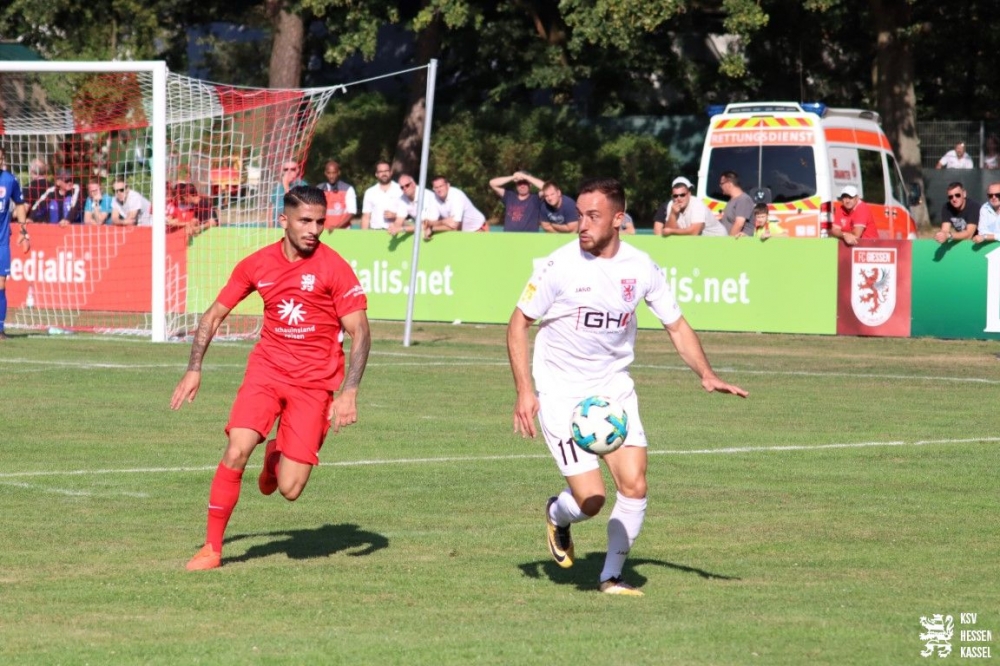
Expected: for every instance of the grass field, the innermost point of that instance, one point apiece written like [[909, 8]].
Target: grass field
[[854, 492]]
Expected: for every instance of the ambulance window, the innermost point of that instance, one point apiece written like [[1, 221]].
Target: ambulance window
[[788, 171], [872, 176], [899, 192]]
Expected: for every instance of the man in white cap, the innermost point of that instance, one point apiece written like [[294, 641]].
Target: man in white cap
[[852, 219], [685, 214]]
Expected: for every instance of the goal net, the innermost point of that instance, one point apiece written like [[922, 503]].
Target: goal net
[[203, 177]]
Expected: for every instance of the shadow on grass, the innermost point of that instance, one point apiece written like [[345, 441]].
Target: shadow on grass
[[305, 544], [587, 570]]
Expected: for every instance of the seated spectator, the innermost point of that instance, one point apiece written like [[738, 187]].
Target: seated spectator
[[852, 219], [190, 211], [129, 207], [457, 211], [736, 215], [685, 214], [406, 219], [521, 207], [959, 215], [38, 182], [61, 203], [558, 212], [290, 177], [988, 228], [341, 199], [956, 158], [98, 206], [761, 222]]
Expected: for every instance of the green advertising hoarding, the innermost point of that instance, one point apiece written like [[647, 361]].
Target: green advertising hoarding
[[722, 284], [956, 290]]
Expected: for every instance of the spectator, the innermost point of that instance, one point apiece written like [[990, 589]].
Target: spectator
[[341, 199], [290, 177], [991, 156], [959, 215], [685, 214], [407, 219], [98, 206], [38, 183], [956, 158], [988, 227], [628, 225], [380, 205], [521, 207], [558, 213], [190, 211], [852, 218], [739, 210], [457, 211], [129, 207], [61, 203], [761, 224]]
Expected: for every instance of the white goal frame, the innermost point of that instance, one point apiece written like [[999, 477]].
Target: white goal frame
[[158, 172]]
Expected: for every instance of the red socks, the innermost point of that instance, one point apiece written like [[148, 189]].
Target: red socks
[[222, 499]]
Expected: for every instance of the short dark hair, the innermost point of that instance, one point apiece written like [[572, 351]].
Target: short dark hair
[[609, 187], [304, 195], [952, 186], [760, 208], [731, 176]]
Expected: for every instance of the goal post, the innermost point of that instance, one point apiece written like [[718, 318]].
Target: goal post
[[159, 133]]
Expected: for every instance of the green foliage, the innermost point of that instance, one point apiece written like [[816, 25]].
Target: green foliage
[[470, 149], [357, 131]]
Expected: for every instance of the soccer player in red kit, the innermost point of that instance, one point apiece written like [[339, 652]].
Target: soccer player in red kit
[[311, 297]]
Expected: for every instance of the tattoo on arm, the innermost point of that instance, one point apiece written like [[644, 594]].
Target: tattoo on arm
[[203, 336], [360, 346]]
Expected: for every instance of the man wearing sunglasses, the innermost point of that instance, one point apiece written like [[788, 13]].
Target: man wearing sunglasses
[[959, 215], [685, 214], [988, 228], [129, 207]]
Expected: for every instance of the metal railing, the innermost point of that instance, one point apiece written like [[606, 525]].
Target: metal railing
[[939, 136]]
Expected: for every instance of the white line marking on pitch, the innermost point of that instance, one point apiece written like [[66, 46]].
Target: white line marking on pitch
[[526, 456], [70, 493]]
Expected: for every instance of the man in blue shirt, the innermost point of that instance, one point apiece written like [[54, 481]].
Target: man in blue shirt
[[11, 204], [521, 207]]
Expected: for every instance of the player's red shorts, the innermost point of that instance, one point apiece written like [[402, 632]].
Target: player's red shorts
[[303, 415]]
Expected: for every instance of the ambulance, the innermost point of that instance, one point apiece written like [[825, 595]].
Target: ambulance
[[797, 157]]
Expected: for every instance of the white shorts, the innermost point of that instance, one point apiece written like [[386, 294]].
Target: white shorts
[[554, 416]]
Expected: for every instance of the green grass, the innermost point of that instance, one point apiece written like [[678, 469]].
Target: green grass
[[772, 536]]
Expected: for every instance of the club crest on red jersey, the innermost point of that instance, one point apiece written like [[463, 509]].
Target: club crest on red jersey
[[873, 284], [628, 290]]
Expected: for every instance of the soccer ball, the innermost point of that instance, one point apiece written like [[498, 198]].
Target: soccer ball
[[599, 425]]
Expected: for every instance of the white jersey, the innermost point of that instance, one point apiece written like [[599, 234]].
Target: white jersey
[[377, 201], [586, 311], [431, 210], [457, 206]]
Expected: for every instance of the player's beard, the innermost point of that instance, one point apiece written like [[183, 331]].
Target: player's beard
[[595, 245]]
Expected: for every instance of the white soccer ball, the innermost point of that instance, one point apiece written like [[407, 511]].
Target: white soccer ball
[[599, 425]]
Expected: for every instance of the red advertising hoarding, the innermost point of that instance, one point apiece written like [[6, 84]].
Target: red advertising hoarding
[[873, 289]]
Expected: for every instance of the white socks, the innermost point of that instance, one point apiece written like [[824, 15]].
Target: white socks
[[565, 511], [623, 528]]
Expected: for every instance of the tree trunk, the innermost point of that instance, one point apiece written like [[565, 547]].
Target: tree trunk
[[285, 70], [895, 96], [411, 136]]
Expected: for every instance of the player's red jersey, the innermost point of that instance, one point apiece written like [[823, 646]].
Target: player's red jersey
[[300, 342]]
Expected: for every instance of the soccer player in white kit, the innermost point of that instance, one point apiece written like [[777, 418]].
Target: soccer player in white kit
[[584, 295]]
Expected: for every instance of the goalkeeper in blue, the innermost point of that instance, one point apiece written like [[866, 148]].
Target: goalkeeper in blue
[[584, 296], [11, 205]]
